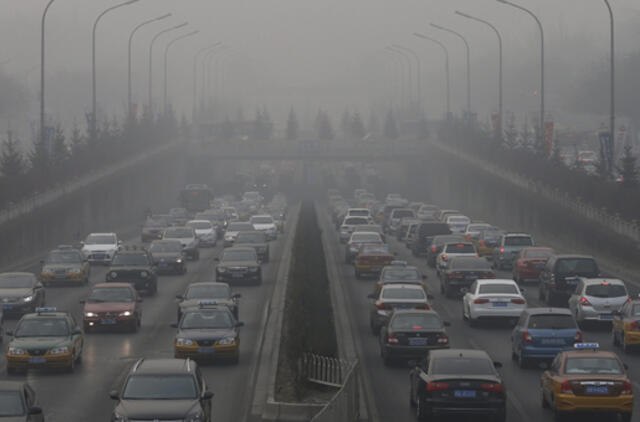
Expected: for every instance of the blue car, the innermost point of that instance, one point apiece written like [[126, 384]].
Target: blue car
[[542, 333]]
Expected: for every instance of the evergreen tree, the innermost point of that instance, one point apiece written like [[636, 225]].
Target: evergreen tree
[[39, 156], [628, 168], [78, 142], [373, 126], [59, 149], [292, 126], [511, 133], [357, 126], [390, 127], [525, 136], [345, 124], [324, 129], [12, 163]]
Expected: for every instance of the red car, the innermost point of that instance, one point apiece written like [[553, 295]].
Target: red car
[[529, 263], [112, 305]]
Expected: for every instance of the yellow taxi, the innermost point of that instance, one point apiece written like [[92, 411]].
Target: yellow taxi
[[65, 265], [587, 380], [625, 327], [371, 259]]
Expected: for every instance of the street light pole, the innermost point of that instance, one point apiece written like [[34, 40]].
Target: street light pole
[[446, 67], [409, 77], [418, 72], [93, 63], [530, 13], [166, 61], [468, 49], [129, 86], [153, 40], [500, 83], [612, 117], [399, 65], [42, 57], [195, 77], [206, 72]]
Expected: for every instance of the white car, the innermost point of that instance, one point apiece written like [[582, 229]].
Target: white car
[[348, 226], [458, 223], [233, 229], [451, 250], [598, 299], [493, 299], [359, 212], [473, 230], [205, 232], [427, 212], [396, 199], [265, 223], [100, 247], [188, 239]]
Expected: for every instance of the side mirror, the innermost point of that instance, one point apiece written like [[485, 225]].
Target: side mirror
[[498, 365], [35, 410], [207, 395], [239, 324], [113, 394], [174, 325], [82, 301], [446, 323]]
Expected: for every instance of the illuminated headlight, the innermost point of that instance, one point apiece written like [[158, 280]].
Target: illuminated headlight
[[197, 417], [144, 274], [179, 260], [28, 298], [125, 313], [119, 418], [253, 269], [184, 342], [227, 341], [113, 274], [15, 351], [228, 237], [59, 350], [75, 270], [90, 314], [221, 269]]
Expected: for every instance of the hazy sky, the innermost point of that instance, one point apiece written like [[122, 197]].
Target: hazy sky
[[299, 52]]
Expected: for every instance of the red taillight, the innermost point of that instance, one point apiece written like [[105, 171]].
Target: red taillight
[[384, 307], [443, 339], [584, 301], [518, 301], [456, 275], [565, 388], [437, 386], [626, 389], [501, 250], [434, 249], [480, 301], [444, 256], [578, 337], [483, 243], [526, 337], [425, 306], [492, 386], [392, 339], [635, 326]]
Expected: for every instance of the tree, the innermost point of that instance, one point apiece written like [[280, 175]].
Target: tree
[[390, 127], [511, 133], [292, 126], [323, 126], [525, 136], [12, 162], [345, 124], [357, 126], [59, 149], [373, 126], [628, 168]]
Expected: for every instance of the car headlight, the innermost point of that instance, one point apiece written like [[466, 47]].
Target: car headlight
[[253, 269], [228, 237], [113, 274], [221, 269], [27, 299], [15, 351], [144, 274], [227, 341], [179, 260], [90, 314], [125, 313], [184, 342], [59, 350]]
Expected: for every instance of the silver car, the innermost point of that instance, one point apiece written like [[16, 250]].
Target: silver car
[[596, 299]]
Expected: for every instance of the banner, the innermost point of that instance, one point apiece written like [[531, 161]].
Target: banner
[[607, 151], [548, 137]]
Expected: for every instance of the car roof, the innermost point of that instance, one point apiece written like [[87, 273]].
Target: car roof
[[589, 281], [101, 234], [207, 283], [516, 234], [403, 286], [455, 353], [416, 311], [550, 310], [591, 352], [262, 215], [573, 256], [495, 281], [111, 285], [48, 314], [164, 366]]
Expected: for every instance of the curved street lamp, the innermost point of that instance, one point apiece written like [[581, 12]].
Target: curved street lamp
[[153, 40], [418, 72], [468, 49], [446, 67], [42, 57], [166, 61], [195, 76]]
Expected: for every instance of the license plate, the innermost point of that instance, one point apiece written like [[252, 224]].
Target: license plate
[[403, 308], [37, 360], [98, 256], [597, 390], [540, 265], [7, 307], [206, 350], [107, 321], [417, 342], [499, 304], [552, 341], [572, 281], [164, 265], [471, 278], [466, 394], [237, 275], [60, 276], [606, 317]]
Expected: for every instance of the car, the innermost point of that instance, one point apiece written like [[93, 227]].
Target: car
[[112, 305], [371, 258], [376, 228], [19, 402], [231, 213], [458, 223], [412, 334], [487, 240], [20, 293], [238, 264], [529, 263], [393, 297], [403, 227], [186, 236], [348, 226], [396, 199], [453, 382], [216, 217], [587, 380], [443, 214], [205, 232], [133, 266], [163, 389], [396, 215], [452, 250], [427, 212], [45, 339], [65, 265], [542, 333], [233, 228], [625, 327], [153, 228], [257, 240], [412, 233], [473, 230], [401, 273], [425, 233], [208, 291], [180, 216], [598, 299], [356, 240], [266, 224], [253, 197], [208, 332], [168, 256], [560, 275], [437, 243], [508, 248], [492, 299], [358, 212], [461, 272], [99, 248]]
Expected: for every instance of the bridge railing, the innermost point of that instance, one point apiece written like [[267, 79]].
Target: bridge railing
[[344, 406]]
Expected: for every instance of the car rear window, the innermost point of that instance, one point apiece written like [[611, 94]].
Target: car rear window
[[498, 289], [360, 237], [538, 254], [402, 274], [460, 248], [585, 267], [552, 322], [433, 229], [416, 322], [593, 365], [606, 290], [359, 213], [458, 220], [354, 221], [518, 241], [441, 240], [402, 293], [403, 213], [462, 366], [470, 263]]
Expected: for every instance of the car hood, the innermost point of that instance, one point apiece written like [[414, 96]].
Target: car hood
[[108, 306], [154, 409], [167, 256], [91, 248], [202, 232], [15, 292], [129, 268], [39, 342], [252, 245], [184, 240], [54, 267], [207, 334]]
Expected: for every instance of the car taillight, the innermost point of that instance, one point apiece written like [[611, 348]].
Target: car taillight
[[443, 339], [518, 301], [456, 275], [492, 386], [392, 339], [635, 326], [526, 337], [384, 307], [480, 301], [501, 250], [434, 249], [578, 337], [565, 388], [444, 256], [425, 307], [626, 389], [437, 386], [584, 301], [483, 243]]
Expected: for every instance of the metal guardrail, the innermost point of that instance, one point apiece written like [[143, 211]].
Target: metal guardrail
[[344, 406], [324, 370]]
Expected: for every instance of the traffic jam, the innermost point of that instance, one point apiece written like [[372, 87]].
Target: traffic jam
[[43, 338], [428, 268]]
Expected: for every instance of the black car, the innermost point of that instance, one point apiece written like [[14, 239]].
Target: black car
[[20, 293], [208, 291], [412, 335], [425, 233], [168, 256], [457, 382], [134, 266], [438, 242], [559, 277], [163, 389], [238, 264], [19, 402], [462, 272], [257, 240]]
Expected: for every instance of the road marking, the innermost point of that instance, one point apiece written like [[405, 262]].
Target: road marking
[[518, 406]]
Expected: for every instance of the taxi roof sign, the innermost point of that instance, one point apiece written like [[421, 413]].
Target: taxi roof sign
[[398, 262], [586, 346], [39, 310]]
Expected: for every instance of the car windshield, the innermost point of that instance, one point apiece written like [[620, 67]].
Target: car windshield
[[70, 257], [160, 387], [462, 366], [400, 274], [200, 225], [403, 213], [365, 237], [458, 220], [179, 233], [261, 220], [359, 213], [606, 290], [416, 322], [16, 281], [126, 259], [518, 241], [206, 319], [460, 248], [236, 255], [551, 322], [403, 293], [239, 227], [256, 237], [100, 239], [42, 327], [538, 253], [354, 221], [215, 291], [11, 404], [173, 246], [491, 234], [477, 227], [111, 294], [374, 249], [369, 228], [498, 289], [577, 266], [593, 365], [469, 263]]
